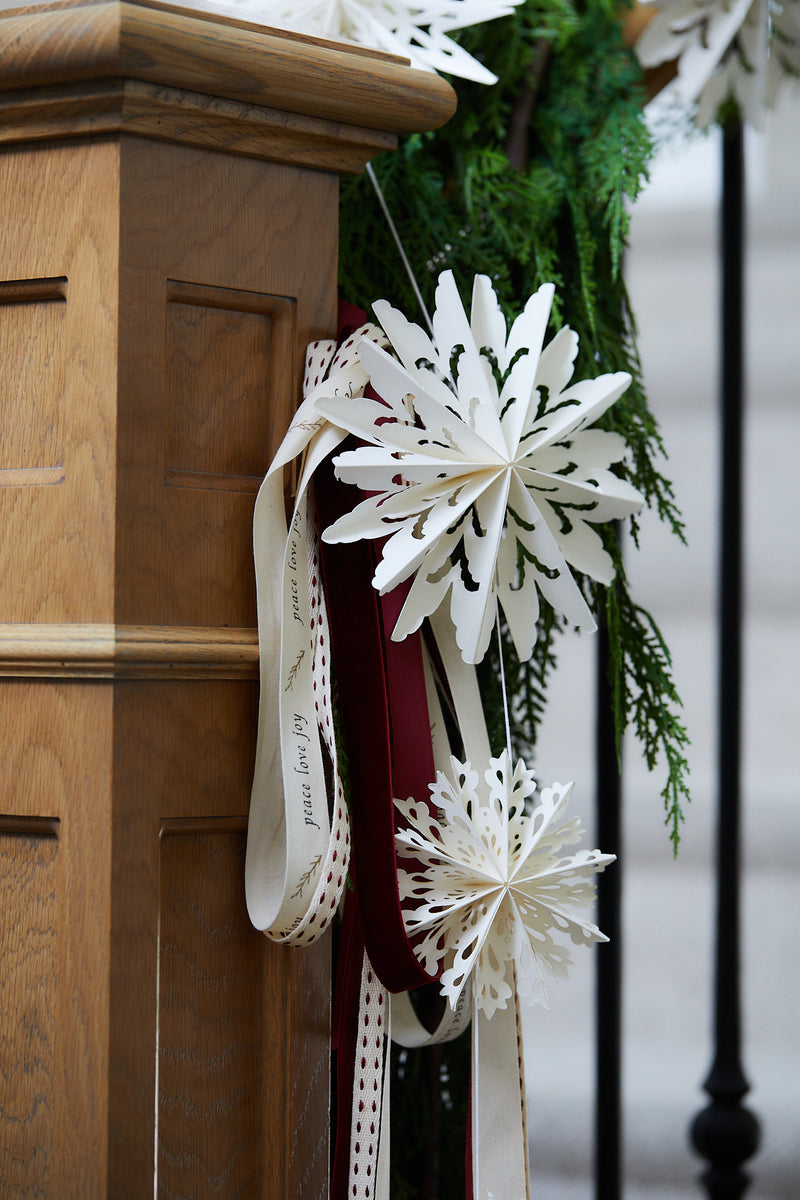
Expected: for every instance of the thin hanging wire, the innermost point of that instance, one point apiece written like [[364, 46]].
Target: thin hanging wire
[[503, 686], [399, 244], [429, 322]]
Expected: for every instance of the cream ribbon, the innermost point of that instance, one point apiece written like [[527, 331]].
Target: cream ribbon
[[500, 1169], [369, 1174], [500, 1166], [297, 857]]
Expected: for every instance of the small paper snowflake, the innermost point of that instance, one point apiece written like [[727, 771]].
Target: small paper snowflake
[[483, 472], [418, 32], [491, 885], [726, 49]]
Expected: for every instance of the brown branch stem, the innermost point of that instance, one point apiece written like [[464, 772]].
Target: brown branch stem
[[521, 114]]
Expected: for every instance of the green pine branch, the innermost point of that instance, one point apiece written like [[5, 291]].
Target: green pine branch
[[558, 213]]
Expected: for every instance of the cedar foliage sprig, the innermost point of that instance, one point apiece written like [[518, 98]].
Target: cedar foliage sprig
[[528, 183], [643, 694]]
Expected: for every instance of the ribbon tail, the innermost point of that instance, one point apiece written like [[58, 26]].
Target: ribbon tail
[[296, 863], [388, 756], [499, 1118], [383, 1182], [265, 827], [369, 1123], [463, 682]]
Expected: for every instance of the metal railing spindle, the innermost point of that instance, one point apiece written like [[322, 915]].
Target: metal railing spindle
[[608, 1021], [726, 1133]]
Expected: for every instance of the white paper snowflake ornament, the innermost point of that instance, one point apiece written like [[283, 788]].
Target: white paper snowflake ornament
[[482, 470], [491, 884], [725, 49], [418, 32]]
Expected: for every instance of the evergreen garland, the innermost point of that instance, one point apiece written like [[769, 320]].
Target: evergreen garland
[[528, 183]]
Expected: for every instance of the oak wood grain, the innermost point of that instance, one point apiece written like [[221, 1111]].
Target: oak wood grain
[[56, 553], [148, 230], [307, 1098], [184, 553], [33, 353], [160, 276], [226, 58], [28, 994], [127, 652], [54, 938], [229, 1054], [179, 263], [221, 1034], [93, 109]]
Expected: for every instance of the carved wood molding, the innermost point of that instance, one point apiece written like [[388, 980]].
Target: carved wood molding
[[171, 115], [186, 826], [127, 652], [212, 55], [28, 826]]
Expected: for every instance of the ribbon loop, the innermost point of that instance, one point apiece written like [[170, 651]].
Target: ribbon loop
[[297, 856]]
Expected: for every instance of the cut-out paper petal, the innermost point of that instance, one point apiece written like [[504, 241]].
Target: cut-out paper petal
[[491, 884], [726, 49], [483, 473], [418, 32]]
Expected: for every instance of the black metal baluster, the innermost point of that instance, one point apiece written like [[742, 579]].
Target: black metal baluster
[[608, 1027], [726, 1133]]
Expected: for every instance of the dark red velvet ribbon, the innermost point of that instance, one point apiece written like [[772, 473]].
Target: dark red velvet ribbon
[[383, 710]]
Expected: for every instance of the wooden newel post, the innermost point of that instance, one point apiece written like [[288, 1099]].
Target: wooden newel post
[[168, 206]]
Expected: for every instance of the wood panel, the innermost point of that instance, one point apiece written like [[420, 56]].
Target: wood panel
[[54, 923], [307, 1098], [203, 289], [28, 1007], [33, 355], [229, 371], [56, 553], [237, 1025], [221, 1033]]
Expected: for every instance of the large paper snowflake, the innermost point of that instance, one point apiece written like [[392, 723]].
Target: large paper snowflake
[[491, 884], [483, 472], [726, 49], [418, 32]]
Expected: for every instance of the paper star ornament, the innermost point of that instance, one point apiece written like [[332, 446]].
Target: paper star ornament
[[726, 49], [418, 32], [492, 884], [482, 468]]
